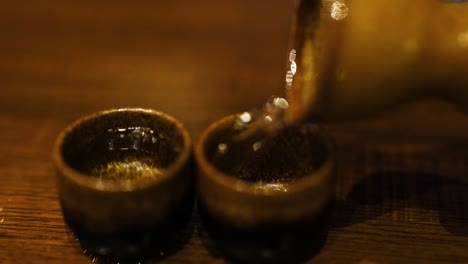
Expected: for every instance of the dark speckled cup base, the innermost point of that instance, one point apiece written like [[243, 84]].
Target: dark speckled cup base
[[137, 244], [294, 242]]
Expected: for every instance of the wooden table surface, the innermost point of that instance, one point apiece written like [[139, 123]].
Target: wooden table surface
[[402, 190]]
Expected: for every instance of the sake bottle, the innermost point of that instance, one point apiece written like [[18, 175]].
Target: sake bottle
[[354, 58]]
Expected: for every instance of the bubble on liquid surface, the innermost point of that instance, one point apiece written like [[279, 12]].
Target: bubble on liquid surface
[[222, 148], [339, 10], [257, 145]]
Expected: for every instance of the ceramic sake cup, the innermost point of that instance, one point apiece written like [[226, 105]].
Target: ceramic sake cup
[[265, 199], [284, 178], [124, 178]]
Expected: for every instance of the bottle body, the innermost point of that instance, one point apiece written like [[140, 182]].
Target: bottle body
[[358, 57]]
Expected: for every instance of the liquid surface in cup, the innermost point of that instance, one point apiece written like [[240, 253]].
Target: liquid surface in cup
[[270, 162], [135, 147], [122, 147]]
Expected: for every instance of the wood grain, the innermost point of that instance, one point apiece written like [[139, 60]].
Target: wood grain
[[402, 190]]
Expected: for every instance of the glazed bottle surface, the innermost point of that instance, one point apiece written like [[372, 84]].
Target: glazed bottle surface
[[358, 57]]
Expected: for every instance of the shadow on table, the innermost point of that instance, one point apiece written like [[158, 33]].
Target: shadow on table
[[384, 192]]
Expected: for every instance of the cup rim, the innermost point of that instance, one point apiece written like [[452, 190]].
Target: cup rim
[[227, 181], [85, 180]]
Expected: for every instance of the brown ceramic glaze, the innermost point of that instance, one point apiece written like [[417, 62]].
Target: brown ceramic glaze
[[288, 179], [407, 58], [124, 169]]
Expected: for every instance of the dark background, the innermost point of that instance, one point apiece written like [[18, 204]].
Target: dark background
[[402, 187]]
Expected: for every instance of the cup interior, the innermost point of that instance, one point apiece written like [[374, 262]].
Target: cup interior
[[267, 162], [123, 145]]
